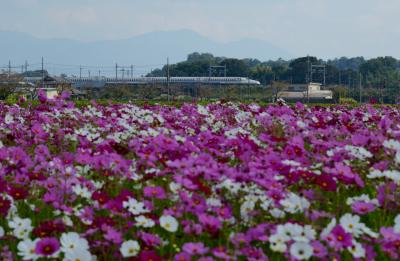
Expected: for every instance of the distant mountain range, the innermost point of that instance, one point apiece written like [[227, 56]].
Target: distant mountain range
[[146, 49]]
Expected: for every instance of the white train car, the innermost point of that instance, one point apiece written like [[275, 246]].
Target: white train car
[[102, 81]]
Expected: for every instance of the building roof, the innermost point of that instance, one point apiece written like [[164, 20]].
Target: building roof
[[326, 94]]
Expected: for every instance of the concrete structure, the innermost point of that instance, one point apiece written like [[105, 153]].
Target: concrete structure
[[52, 86], [306, 92]]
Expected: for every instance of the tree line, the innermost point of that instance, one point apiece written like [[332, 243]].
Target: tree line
[[378, 77]]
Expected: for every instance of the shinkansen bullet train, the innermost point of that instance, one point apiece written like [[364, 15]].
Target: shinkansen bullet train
[[102, 81]]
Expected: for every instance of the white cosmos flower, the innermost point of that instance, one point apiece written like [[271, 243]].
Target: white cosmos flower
[[301, 124], [397, 224], [202, 110], [169, 223], [135, 207], [129, 248], [8, 119], [327, 230], [26, 249], [303, 234], [277, 213], [296, 232], [309, 232], [397, 157], [301, 250], [21, 227], [351, 224], [369, 232], [265, 203], [19, 222], [392, 144], [230, 185], [284, 232], [393, 175], [375, 173], [22, 232], [278, 243], [246, 207], [67, 221], [72, 241], [214, 202], [78, 254], [82, 191], [357, 250], [295, 204], [142, 221], [364, 198], [358, 152]]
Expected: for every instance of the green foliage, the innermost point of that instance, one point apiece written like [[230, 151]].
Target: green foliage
[[12, 98], [380, 78], [349, 101]]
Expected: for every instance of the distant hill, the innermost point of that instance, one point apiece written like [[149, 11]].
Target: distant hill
[[147, 49]]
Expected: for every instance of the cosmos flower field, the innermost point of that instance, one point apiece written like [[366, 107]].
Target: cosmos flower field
[[225, 181]]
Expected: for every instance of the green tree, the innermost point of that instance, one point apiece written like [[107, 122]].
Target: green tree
[[300, 68]]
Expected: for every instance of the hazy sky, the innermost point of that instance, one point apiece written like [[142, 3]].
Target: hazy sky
[[326, 28]]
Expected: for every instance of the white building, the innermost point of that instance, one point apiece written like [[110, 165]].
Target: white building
[[306, 92]]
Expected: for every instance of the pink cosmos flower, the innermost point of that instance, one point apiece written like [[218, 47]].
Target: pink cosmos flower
[[150, 240], [182, 257], [221, 252], [147, 255], [47, 246], [339, 238], [326, 182], [211, 223], [194, 249], [154, 192], [112, 234], [362, 208], [320, 250], [5, 205]]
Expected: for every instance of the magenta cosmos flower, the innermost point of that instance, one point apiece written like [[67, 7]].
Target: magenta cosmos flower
[[194, 249], [339, 238], [154, 192], [362, 208], [47, 246], [4, 206]]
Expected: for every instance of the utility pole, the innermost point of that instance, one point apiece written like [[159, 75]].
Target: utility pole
[[248, 85], [308, 78], [383, 84], [349, 80], [42, 72], [9, 69], [308, 70], [116, 71], [317, 67], [169, 92], [99, 73], [26, 65], [80, 72], [360, 87], [131, 71], [89, 73], [123, 73]]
